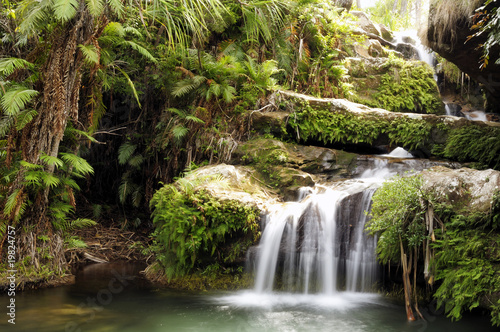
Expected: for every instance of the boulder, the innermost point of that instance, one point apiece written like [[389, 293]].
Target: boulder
[[365, 23], [463, 187]]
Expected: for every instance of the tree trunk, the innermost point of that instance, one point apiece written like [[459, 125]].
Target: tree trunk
[[406, 282], [60, 85]]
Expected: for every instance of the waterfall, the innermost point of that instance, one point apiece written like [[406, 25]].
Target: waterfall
[[318, 244]]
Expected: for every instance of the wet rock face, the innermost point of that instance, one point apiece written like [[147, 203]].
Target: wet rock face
[[466, 54]]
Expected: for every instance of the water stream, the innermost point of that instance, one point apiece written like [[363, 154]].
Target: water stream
[[314, 271]]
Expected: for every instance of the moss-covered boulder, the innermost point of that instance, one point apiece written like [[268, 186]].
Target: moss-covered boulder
[[285, 166], [394, 84]]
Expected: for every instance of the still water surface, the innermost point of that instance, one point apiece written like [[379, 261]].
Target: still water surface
[[101, 301]]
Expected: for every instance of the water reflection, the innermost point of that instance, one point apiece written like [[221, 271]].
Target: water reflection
[[138, 307]]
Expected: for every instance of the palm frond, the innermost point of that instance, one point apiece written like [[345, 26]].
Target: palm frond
[[65, 10], [16, 98]]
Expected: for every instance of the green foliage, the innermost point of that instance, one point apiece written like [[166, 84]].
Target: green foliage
[[467, 256], [329, 127], [409, 86], [397, 216], [463, 145], [193, 229]]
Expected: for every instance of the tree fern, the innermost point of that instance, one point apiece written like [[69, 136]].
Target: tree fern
[[65, 10], [114, 29], [49, 180], [75, 242], [16, 99]]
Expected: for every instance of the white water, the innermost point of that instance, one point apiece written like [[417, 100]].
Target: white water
[[318, 245]]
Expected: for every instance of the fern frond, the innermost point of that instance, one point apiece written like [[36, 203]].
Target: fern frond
[[137, 197], [50, 180], [124, 190], [90, 55], [25, 117], [136, 161], [6, 123], [81, 223], [179, 133], [194, 119], [184, 87], [141, 50], [51, 160], [75, 243], [16, 98], [117, 7], [95, 7], [30, 166], [34, 13], [11, 202], [80, 165], [78, 132], [9, 65], [114, 29], [125, 152], [133, 31], [65, 10]]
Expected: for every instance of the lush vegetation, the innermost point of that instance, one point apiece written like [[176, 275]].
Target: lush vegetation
[[329, 127], [457, 246], [194, 230]]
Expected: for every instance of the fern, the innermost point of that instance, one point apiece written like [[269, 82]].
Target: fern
[[131, 84], [50, 180], [184, 87], [75, 243], [81, 223], [80, 166], [95, 7], [117, 7], [125, 152], [51, 160], [25, 117], [9, 65], [136, 161], [16, 98], [65, 10], [114, 29], [141, 50], [179, 133], [89, 54]]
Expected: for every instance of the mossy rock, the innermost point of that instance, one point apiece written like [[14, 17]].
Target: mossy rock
[[394, 84]]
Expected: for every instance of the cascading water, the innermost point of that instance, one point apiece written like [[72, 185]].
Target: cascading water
[[318, 245]]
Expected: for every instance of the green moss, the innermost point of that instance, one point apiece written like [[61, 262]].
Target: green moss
[[330, 127], [194, 230], [400, 86], [474, 142]]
